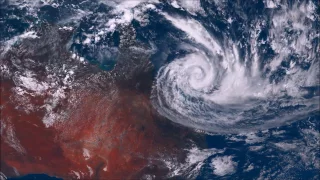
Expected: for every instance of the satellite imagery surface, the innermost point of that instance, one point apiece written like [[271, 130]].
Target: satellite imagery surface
[[160, 89]]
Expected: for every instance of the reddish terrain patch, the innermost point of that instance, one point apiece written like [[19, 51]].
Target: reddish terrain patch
[[40, 151], [100, 136]]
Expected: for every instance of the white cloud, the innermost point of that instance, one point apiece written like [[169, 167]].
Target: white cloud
[[223, 165]]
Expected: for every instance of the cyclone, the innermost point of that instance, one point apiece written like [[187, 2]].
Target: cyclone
[[216, 89]]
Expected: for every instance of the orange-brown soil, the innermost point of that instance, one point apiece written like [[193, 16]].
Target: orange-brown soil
[[99, 135]]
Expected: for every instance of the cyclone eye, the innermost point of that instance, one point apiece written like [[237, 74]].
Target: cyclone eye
[[197, 73]]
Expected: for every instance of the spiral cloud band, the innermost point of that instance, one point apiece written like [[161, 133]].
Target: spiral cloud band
[[214, 89]]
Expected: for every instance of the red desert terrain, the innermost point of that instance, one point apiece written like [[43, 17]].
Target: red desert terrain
[[94, 131], [100, 136]]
